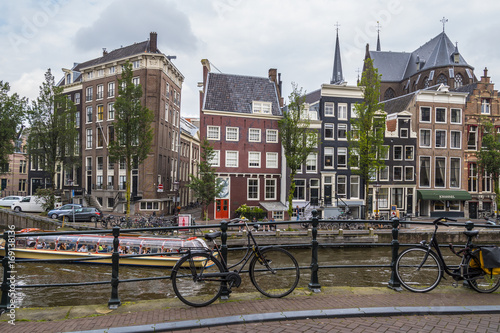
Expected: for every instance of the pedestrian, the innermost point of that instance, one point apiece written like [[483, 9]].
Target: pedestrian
[[297, 211]]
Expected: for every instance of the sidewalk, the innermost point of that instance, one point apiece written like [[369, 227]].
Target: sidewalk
[[335, 308]]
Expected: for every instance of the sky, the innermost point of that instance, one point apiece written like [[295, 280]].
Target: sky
[[245, 37]]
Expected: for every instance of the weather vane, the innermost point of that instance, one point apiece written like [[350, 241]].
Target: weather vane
[[337, 25], [378, 26], [444, 20]]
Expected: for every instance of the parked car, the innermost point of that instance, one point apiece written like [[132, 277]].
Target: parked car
[[54, 213], [84, 214], [31, 203], [8, 201]]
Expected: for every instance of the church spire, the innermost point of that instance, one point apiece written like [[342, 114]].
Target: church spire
[[337, 77], [378, 36]]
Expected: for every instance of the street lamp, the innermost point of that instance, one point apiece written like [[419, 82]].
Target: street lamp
[[376, 186]]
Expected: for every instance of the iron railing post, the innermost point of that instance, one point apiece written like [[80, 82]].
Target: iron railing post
[[314, 284], [5, 303], [394, 282], [114, 301], [223, 249]]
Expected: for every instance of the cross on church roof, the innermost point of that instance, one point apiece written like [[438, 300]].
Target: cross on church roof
[[337, 25], [443, 20], [378, 26]]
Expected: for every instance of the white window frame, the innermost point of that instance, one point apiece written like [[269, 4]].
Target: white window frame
[[332, 127], [261, 107], [232, 133], [430, 114], [401, 153], [89, 117], [89, 92], [342, 151], [459, 139], [411, 171], [442, 158], [412, 153], [459, 179], [254, 135], [459, 118], [213, 132], [385, 172], [272, 160], [394, 168], [248, 188], [215, 161], [354, 185], [436, 136], [254, 159], [387, 153], [89, 138], [403, 130], [420, 158], [111, 89], [339, 128], [99, 92], [329, 109], [342, 111], [344, 177], [270, 183], [312, 163], [111, 111], [428, 130], [233, 157], [271, 136], [329, 151], [436, 115]]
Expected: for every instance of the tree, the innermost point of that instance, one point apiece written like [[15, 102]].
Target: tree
[[206, 185], [52, 133], [12, 112], [133, 130], [366, 138], [297, 139], [488, 157]]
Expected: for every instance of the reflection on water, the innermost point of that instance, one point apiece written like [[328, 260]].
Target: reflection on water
[[40, 273]]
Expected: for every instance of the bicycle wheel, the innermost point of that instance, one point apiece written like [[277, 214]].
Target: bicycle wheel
[[478, 279], [189, 280], [275, 273], [417, 277]]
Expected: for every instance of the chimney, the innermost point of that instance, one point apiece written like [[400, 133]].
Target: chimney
[[104, 52], [153, 40]]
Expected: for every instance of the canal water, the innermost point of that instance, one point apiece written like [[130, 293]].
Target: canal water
[[43, 273]]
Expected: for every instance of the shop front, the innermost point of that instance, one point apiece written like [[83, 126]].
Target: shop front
[[447, 203]]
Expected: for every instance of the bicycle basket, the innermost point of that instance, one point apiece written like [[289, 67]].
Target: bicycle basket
[[489, 256]]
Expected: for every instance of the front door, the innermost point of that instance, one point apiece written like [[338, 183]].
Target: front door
[[328, 195], [314, 196], [222, 209], [473, 210]]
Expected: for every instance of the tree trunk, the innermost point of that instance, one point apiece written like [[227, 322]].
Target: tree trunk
[[128, 186]]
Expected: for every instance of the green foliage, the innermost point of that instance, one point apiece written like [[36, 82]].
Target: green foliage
[[206, 186], [488, 157], [366, 138], [250, 212], [12, 113], [133, 130], [49, 197], [297, 139]]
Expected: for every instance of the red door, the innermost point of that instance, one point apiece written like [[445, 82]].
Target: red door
[[222, 209]]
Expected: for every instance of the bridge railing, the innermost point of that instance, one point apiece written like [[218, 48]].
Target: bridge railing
[[9, 260]]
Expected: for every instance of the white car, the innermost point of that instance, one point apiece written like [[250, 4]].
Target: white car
[[8, 201], [32, 204]]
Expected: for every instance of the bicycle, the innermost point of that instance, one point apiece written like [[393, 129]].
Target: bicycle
[[420, 268], [199, 277]]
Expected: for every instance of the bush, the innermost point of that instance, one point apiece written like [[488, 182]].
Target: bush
[[250, 212]]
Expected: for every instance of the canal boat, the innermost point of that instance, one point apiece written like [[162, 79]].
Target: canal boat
[[81, 246]]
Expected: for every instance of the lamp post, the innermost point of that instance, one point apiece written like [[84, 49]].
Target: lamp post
[[376, 186]]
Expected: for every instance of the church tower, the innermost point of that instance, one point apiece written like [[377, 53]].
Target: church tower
[[337, 77]]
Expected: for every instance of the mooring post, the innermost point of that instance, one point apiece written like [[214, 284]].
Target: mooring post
[[394, 282], [5, 303], [314, 284], [114, 301], [223, 249]]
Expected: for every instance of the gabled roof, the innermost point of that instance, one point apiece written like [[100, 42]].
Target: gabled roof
[[469, 88], [313, 96], [391, 65], [235, 93], [188, 127], [398, 104]]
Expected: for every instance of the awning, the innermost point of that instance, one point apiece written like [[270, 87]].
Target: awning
[[274, 206], [350, 203], [443, 195]]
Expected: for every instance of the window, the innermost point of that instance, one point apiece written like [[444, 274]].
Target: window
[[342, 157], [88, 96], [232, 134], [135, 81], [213, 133], [111, 133], [100, 113], [100, 162], [485, 106], [311, 162], [387, 151], [456, 116], [472, 140], [261, 107], [89, 138], [329, 109], [342, 132], [254, 159], [77, 98], [100, 92], [89, 114], [355, 187], [271, 160], [403, 133], [397, 197], [384, 173], [150, 205], [398, 173], [122, 181], [270, 189], [486, 182], [342, 111], [231, 159], [409, 153], [136, 64], [100, 138], [440, 139], [440, 115], [22, 185], [472, 186], [398, 153], [409, 173], [112, 69], [328, 131], [425, 114], [383, 197], [425, 138], [90, 75], [458, 80], [442, 79], [277, 215], [440, 177], [254, 135], [111, 89], [300, 190], [328, 152], [455, 139], [454, 172], [111, 111], [272, 136], [22, 166], [122, 163], [341, 185], [354, 112], [77, 119], [425, 171]]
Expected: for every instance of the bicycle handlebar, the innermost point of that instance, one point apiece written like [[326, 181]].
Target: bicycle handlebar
[[441, 221]]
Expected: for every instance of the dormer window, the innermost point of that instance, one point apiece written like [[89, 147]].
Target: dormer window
[[261, 107], [456, 58]]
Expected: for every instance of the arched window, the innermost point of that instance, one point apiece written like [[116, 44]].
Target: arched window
[[426, 82], [459, 80], [442, 79], [389, 93]]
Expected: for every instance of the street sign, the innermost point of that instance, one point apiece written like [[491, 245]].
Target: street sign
[[160, 187], [184, 221]]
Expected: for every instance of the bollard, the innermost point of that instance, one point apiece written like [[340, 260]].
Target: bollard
[[6, 303], [114, 301], [278, 232], [371, 232], [394, 282], [341, 232], [314, 284], [223, 249]]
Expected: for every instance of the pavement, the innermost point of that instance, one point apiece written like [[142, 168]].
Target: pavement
[[334, 309]]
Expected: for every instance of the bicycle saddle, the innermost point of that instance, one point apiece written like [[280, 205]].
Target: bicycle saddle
[[471, 233], [212, 235]]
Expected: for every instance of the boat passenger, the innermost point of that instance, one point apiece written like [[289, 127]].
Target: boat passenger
[[62, 247], [100, 248], [83, 249]]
